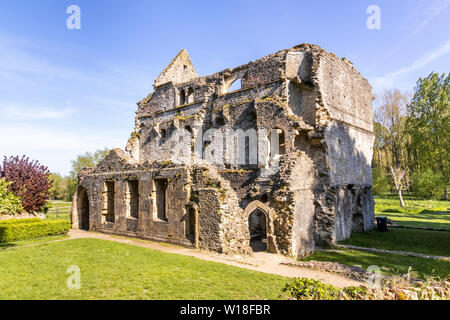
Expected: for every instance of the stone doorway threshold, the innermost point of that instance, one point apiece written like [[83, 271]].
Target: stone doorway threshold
[[259, 261]]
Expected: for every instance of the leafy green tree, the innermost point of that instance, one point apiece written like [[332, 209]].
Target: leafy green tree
[[59, 189], [87, 160], [9, 203], [427, 183], [381, 184], [429, 124]]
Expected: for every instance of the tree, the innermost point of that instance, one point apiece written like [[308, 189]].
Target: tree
[[29, 181], [391, 114], [401, 182], [9, 203], [59, 189], [87, 160], [429, 124]]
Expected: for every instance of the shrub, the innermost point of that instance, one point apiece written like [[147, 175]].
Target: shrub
[[19, 221], [427, 183], [9, 203], [309, 289], [10, 232], [381, 182], [29, 181]]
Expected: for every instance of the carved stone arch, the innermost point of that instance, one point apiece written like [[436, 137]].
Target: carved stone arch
[[230, 78], [81, 209], [268, 212]]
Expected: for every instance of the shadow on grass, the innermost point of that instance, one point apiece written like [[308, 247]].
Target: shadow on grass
[[440, 212], [4, 246]]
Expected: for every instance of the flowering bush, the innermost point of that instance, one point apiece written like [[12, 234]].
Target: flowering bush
[[9, 203], [29, 181]]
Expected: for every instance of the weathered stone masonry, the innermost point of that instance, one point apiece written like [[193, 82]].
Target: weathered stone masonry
[[321, 110]]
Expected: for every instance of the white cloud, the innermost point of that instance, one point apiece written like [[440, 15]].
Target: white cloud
[[35, 113], [428, 11], [53, 148], [390, 79]]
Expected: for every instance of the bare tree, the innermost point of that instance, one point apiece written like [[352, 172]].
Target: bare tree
[[401, 180], [390, 113]]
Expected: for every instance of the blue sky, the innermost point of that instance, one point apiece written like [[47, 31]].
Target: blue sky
[[64, 92]]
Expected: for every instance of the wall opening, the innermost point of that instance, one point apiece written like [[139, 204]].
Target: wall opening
[[277, 143], [132, 199], [182, 98], [190, 96], [159, 199], [257, 224], [190, 223], [109, 196], [83, 209], [235, 85]]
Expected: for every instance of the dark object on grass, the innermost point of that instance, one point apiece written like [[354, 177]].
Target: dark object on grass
[[382, 224]]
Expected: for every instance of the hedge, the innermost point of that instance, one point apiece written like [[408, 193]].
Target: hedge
[[20, 221], [10, 232]]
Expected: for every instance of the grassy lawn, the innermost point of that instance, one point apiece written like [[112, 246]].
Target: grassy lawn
[[112, 270], [416, 213], [420, 241], [389, 264], [59, 210]]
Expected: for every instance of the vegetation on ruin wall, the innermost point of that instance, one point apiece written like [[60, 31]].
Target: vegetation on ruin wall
[[25, 229]]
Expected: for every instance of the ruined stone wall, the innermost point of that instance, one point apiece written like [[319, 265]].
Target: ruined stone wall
[[319, 189], [347, 99]]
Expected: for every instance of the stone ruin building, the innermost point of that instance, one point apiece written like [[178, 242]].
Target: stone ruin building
[[314, 107]]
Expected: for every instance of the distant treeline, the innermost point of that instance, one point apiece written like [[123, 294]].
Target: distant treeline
[[412, 145]]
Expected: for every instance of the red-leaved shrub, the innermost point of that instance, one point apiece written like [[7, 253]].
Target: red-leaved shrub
[[29, 181]]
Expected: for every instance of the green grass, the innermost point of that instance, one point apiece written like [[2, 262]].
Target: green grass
[[59, 210], [389, 264], [420, 241], [416, 213], [112, 270]]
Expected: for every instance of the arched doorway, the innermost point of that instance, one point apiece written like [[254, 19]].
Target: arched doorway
[[257, 224], [83, 209]]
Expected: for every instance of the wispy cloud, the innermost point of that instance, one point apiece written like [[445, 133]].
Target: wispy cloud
[[389, 79], [429, 11], [35, 113]]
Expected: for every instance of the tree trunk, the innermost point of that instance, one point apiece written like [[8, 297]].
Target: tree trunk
[[400, 197], [445, 193]]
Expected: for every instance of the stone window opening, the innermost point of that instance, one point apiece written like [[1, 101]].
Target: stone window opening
[[190, 224], [182, 97], [234, 85], [277, 143], [132, 199], [159, 196], [190, 96], [108, 201]]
